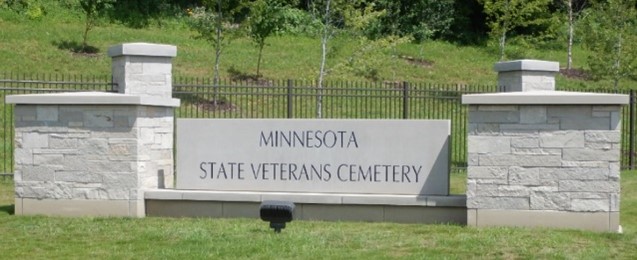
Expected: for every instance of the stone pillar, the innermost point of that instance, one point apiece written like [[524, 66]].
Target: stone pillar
[[539, 157], [93, 153], [143, 69], [527, 75]]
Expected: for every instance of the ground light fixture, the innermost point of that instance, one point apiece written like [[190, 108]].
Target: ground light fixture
[[277, 213]]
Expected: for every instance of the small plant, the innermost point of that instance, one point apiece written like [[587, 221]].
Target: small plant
[[266, 19], [92, 10], [212, 25]]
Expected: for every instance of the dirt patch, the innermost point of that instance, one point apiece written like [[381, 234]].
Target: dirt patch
[[247, 78], [394, 84], [575, 74], [418, 61], [220, 105]]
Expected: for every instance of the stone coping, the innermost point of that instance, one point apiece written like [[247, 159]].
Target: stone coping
[[142, 49], [545, 98], [309, 198], [527, 65], [91, 98]]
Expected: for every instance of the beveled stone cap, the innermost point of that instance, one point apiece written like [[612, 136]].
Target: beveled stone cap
[[545, 98], [527, 65], [142, 49], [90, 98]]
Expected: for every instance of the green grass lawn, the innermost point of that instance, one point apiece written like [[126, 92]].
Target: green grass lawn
[[38, 237]]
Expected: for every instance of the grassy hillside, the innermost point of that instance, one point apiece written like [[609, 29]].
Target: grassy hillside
[[37, 46]]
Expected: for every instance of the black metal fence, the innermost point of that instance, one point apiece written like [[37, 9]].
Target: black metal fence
[[296, 99], [338, 99]]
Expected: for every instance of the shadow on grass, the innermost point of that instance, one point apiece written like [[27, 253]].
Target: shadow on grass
[[9, 209], [76, 48]]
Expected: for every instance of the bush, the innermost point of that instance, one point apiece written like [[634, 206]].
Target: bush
[[31, 9]]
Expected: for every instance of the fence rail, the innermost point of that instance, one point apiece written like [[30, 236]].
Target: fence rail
[[297, 99]]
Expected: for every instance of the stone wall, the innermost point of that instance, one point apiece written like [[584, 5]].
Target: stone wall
[[78, 152], [94, 153], [540, 157], [563, 158]]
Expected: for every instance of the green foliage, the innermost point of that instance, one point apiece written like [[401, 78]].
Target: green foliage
[[266, 19], [92, 10], [31, 9], [370, 56], [420, 19], [611, 38], [505, 15], [140, 13], [299, 22], [206, 24]]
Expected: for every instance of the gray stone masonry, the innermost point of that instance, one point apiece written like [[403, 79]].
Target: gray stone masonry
[[544, 158], [529, 155], [527, 75], [94, 153], [143, 69]]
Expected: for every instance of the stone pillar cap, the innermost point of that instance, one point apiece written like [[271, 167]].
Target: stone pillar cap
[[142, 49], [527, 65]]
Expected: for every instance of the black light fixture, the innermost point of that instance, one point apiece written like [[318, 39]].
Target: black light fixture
[[277, 213]]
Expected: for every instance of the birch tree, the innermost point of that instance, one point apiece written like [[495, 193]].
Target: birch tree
[[326, 34], [573, 10], [611, 38], [505, 15], [210, 24]]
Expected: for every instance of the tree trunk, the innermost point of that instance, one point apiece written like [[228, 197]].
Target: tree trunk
[[215, 71], [259, 59], [502, 42], [617, 66], [569, 63], [324, 39], [87, 28], [505, 28]]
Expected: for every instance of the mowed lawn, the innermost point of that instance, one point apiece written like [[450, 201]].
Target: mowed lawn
[[39, 237]]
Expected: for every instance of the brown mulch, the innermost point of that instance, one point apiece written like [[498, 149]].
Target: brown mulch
[[575, 74], [418, 61], [221, 105]]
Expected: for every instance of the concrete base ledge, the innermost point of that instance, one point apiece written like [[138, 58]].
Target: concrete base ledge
[[309, 206], [310, 198], [77, 208], [593, 221]]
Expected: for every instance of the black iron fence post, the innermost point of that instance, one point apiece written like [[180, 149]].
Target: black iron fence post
[[290, 98], [405, 100]]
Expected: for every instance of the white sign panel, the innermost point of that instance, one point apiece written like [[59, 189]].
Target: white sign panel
[[317, 156]]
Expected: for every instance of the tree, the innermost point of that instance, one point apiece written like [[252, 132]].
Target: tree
[[211, 25], [573, 9], [326, 34], [611, 38], [505, 15], [92, 10], [265, 20]]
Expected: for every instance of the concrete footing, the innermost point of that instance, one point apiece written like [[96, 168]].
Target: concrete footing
[[328, 207]]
